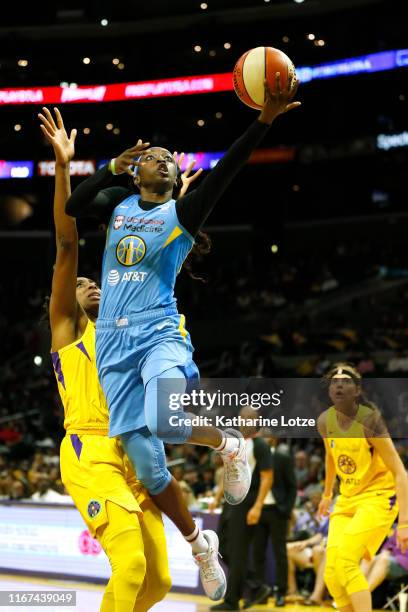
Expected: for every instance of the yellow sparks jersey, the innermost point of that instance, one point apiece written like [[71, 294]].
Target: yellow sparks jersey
[[358, 464], [85, 407]]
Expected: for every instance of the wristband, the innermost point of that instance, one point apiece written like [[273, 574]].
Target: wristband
[[328, 497], [403, 526], [112, 166]]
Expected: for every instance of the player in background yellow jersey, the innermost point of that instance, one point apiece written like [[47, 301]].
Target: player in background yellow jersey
[[94, 467], [373, 487]]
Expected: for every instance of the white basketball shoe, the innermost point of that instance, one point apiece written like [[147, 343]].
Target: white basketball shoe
[[211, 573], [237, 472]]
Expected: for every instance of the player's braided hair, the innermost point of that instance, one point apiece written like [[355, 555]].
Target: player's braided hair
[[202, 244]]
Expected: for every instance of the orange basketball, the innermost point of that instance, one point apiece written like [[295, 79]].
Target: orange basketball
[[253, 67]]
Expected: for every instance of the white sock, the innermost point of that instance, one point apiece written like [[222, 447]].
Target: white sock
[[228, 445], [198, 542]]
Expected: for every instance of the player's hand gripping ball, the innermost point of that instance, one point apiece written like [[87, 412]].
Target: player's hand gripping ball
[[254, 67]]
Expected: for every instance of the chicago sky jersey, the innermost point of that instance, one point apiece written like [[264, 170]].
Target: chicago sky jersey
[[144, 252]]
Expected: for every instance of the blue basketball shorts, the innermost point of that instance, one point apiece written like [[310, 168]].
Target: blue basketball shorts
[[132, 353]]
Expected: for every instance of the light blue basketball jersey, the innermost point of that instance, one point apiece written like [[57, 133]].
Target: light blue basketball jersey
[[144, 252]]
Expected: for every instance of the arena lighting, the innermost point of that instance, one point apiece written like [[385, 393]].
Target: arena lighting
[[181, 86], [392, 141], [374, 62], [16, 169]]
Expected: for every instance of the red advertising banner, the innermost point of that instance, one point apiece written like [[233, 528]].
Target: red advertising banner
[[271, 156], [118, 91]]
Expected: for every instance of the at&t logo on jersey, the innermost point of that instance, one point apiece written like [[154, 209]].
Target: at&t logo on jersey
[[137, 277], [130, 250], [114, 277]]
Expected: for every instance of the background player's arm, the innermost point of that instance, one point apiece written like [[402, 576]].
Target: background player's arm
[[63, 303], [330, 469], [193, 209]]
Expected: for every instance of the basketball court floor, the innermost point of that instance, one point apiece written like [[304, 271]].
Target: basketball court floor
[[89, 597]]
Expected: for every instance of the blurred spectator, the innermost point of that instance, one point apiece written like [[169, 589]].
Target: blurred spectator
[[46, 494], [309, 553], [399, 362], [301, 469], [307, 520], [390, 564], [18, 490], [366, 365]]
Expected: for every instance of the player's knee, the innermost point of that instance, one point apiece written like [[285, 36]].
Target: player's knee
[[350, 574], [154, 479], [147, 461], [132, 569]]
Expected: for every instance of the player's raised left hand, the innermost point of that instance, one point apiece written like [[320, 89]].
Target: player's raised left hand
[[55, 133], [280, 100], [185, 177]]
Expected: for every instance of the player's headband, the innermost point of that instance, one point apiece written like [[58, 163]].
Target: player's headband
[[344, 372]]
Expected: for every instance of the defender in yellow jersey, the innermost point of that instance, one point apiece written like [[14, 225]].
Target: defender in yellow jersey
[[372, 479], [94, 468]]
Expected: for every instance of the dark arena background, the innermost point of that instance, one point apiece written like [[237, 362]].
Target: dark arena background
[[308, 266]]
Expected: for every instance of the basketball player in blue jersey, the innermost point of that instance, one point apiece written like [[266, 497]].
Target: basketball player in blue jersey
[[141, 337]]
